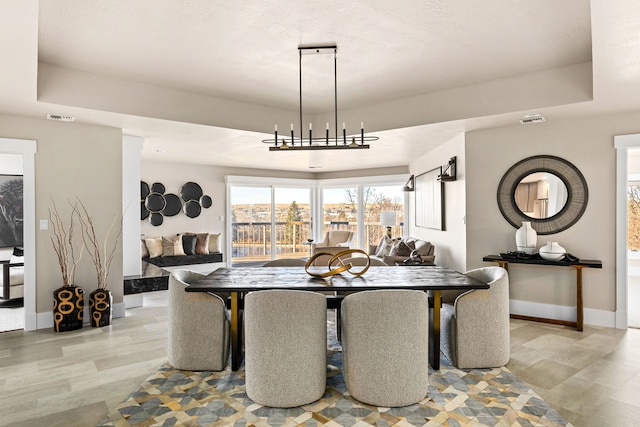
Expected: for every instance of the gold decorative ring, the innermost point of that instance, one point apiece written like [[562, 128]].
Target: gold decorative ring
[[336, 264]]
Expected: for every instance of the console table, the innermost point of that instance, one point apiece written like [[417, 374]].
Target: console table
[[578, 266]]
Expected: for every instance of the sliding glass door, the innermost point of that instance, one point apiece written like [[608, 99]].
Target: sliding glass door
[[269, 222]]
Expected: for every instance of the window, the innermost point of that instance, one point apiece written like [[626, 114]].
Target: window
[[277, 220]]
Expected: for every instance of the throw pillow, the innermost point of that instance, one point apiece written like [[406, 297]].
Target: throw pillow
[[202, 243], [172, 245], [189, 244], [214, 243], [384, 247], [403, 249], [143, 249], [423, 247], [154, 244]]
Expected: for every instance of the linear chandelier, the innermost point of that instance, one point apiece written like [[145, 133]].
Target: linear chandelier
[[326, 142]]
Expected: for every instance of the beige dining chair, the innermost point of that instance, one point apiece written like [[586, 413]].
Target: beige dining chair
[[475, 324], [285, 347], [198, 336], [385, 346]]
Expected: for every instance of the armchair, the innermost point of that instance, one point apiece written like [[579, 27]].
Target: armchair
[[199, 330], [334, 241], [342, 238], [475, 324]]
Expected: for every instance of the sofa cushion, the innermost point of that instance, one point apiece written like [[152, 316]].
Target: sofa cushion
[[384, 247], [189, 244], [403, 248], [143, 248], [214, 243], [172, 245], [154, 244], [202, 243], [423, 248]]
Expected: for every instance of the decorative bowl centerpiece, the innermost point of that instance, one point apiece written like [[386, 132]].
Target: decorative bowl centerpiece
[[552, 251]]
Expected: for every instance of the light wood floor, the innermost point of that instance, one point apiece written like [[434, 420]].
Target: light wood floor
[[74, 378]]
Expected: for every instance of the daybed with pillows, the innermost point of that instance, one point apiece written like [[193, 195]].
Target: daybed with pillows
[[395, 250], [181, 249]]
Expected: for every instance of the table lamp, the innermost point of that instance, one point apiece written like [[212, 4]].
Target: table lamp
[[388, 219]]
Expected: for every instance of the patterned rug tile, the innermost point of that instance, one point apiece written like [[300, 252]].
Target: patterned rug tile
[[479, 397]]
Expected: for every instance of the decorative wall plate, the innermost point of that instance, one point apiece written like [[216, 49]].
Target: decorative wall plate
[[206, 202], [144, 190], [156, 219], [192, 209], [144, 212], [158, 188], [155, 202], [173, 206], [191, 191]]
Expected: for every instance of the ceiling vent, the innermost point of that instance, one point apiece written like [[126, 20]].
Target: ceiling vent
[[532, 118], [60, 118]]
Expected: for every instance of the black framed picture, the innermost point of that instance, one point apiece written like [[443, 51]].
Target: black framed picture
[[429, 200], [11, 210]]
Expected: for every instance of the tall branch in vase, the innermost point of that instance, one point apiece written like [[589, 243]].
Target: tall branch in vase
[[101, 254], [62, 241]]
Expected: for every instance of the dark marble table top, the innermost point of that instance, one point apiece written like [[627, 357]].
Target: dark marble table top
[[246, 279]]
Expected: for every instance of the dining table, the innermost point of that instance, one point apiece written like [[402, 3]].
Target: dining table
[[238, 281]]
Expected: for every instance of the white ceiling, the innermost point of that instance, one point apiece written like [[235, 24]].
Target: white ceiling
[[204, 81]]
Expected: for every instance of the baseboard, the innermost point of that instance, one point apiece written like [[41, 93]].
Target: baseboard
[[562, 312], [45, 320]]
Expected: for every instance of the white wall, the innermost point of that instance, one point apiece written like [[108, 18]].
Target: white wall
[[450, 244], [131, 153]]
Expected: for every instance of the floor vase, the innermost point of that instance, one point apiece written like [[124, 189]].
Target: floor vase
[[100, 302], [68, 306]]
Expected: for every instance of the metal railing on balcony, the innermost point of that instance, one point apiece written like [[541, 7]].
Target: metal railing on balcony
[[251, 241]]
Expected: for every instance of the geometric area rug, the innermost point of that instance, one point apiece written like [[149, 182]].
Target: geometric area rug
[[477, 397]]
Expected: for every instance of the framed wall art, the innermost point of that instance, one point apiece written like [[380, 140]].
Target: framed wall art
[[11, 210], [429, 200]]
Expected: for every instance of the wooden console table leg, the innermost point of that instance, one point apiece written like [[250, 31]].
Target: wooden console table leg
[[503, 264], [579, 304]]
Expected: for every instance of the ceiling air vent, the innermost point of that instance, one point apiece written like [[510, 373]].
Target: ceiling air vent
[[532, 118], [60, 118]]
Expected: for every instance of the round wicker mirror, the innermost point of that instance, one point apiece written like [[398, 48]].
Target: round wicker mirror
[[576, 197]]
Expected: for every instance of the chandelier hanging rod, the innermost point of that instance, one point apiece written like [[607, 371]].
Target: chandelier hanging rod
[[330, 143]]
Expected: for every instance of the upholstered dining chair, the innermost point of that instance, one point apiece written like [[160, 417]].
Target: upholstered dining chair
[[385, 340], [285, 347], [198, 326], [475, 324]]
